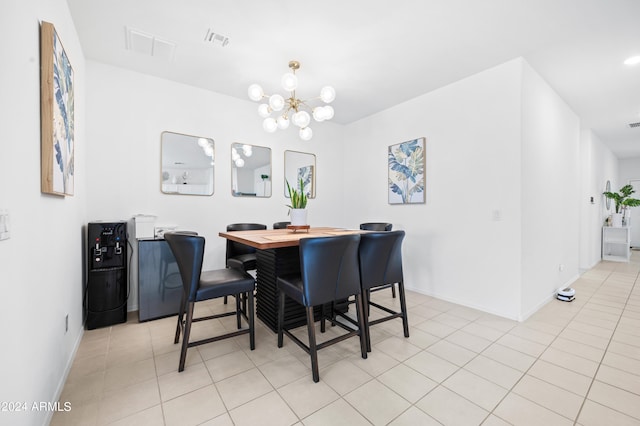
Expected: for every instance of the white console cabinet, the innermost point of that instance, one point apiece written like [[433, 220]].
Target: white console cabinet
[[616, 243]]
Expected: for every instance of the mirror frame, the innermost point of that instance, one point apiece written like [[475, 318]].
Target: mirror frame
[[164, 175], [312, 172], [269, 176]]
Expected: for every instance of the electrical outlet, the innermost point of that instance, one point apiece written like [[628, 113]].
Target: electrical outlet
[[66, 323]]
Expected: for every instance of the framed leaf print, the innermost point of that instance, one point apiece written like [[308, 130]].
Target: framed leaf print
[[406, 163], [56, 115], [305, 174]]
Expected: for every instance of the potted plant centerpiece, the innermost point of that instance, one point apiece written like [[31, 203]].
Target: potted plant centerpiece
[[623, 200], [298, 206]]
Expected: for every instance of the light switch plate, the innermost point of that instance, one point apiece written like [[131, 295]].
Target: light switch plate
[[4, 225]]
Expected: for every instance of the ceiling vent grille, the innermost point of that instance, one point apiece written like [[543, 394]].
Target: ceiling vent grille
[[148, 44], [632, 125]]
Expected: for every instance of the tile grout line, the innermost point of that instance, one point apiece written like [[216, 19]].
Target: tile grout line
[[593, 379], [538, 358]]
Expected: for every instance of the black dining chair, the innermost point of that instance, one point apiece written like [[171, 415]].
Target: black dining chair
[[380, 226], [201, 285], [281, 225], [329, 271], [376, 226], [380, 255], [170, 280], [241, 256]]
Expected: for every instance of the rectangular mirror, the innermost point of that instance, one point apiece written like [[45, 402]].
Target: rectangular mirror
[[187, 164], [250, 170], [300, 165]]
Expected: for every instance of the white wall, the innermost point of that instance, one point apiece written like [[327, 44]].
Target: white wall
[[630, 170], [472, 131], [41, 264], [126, 114], [550, 192], [598, 165], [502, 166]]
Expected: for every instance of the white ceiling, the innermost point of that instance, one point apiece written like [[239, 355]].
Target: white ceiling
[[380, 53]]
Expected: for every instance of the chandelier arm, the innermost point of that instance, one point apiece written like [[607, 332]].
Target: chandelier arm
[[311, 99], [286, 111], [306, 104]]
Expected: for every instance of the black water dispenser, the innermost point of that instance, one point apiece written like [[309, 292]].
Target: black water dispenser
[[106, 290]]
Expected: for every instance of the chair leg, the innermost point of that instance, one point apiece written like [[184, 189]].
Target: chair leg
[[244, 297], [238, 311], [393, 290], [180, 316], [403, 309], [323, 325], [367, 308], [225, 300], [185, 337], [252, 334], [363, 324], [313, 350], [280, 318]]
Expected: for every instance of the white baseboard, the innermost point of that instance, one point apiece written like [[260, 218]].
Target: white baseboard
[[65, 375]]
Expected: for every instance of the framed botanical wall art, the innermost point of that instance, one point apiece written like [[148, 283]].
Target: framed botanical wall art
[[305, 174], [406, 163], [56, 115]]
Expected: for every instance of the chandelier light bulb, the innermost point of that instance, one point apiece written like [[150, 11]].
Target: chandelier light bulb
[[276, 102], [301, 118], [318, 113], [239, 162], [208, 151], [255, 92], [328, 112], [269, 125], [202, 142], [264, 110], [306, 133], [327, 94], [283, 122], [247, 150], [289, 82]]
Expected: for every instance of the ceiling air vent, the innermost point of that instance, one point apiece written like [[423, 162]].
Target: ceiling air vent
[[148, 44], [634, 124]]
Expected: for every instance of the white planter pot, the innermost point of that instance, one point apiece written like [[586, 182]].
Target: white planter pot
[[298, 217], [616, 220]]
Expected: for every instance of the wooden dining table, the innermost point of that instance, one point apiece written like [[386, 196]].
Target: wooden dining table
[[278, 254]]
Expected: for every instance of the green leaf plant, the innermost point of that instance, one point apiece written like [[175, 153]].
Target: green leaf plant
[[298, 197], [622, 198]]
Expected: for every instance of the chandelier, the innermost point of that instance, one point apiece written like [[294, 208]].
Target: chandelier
[[292, 108]]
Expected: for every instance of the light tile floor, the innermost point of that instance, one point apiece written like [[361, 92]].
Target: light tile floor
[[570, 363]]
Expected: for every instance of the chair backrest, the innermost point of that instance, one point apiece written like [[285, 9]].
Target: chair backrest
[[376, 226], [281, 225], [189, 252], [236, 249], [380, 256], [165, 256], [329, 268]]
